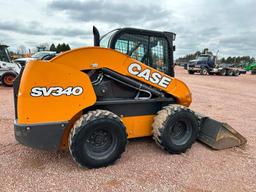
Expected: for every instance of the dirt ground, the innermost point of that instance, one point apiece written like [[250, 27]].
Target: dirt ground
[[144, 166]]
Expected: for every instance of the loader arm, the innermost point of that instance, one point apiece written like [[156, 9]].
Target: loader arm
[[96, 57]]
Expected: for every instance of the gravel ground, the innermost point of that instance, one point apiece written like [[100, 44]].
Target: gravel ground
[[144, 166]]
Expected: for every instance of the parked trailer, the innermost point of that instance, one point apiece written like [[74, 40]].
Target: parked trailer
[[220, 70]]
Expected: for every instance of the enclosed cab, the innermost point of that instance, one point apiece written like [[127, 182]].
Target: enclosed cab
[[153, 48]]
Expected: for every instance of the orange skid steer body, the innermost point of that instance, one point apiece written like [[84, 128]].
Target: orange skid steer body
[[55, 92], [52, 97]]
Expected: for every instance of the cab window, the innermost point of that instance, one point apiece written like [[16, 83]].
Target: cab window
[[159, 54], [152, 51], [104, 42], [133, 45], [3, 56]]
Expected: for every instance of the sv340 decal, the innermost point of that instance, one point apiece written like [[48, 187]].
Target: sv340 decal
[[55, 91]]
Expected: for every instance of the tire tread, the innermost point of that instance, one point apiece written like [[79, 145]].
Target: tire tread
[[86, 119], [160, 121]]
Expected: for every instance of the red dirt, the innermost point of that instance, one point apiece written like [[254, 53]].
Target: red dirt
[[144, 166]]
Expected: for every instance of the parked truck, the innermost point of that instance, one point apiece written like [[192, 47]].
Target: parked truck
[[207, 64], [8, 69]]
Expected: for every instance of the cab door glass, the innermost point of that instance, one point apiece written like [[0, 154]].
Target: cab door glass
[[137, 50], [3, 56], [159, 54], [122, 45], [136, 46]]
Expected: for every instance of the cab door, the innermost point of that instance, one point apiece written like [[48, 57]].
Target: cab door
[[148, 49]]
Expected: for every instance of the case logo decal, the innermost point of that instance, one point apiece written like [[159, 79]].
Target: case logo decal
[[147, 74], [55, 91]]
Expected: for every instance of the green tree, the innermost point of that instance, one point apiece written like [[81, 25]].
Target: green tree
[[52, 47], [62, 47], [67, 47], [229, 60], [58, 48]]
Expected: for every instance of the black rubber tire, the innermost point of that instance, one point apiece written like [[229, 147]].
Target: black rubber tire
[[222, 72], [97, 139], [191, 72], [230, 72], [203, 71], [8, 78], [164, 126], [236, 72]]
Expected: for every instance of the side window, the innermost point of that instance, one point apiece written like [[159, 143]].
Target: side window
[[136, 46], [159, 54], [2, 56], [150, 50], [122, 45]]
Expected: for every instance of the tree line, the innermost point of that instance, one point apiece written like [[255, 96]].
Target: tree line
[[238, 60], [60, 47]]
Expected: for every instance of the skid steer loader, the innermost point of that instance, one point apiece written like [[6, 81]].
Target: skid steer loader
[[91, 100]]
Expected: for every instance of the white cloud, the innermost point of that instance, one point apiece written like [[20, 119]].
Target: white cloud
[[226, 26]]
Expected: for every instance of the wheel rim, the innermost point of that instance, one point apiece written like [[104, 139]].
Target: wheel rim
[[99, 143], [223, 72], [9, 79], [180, 132], [204, 72]]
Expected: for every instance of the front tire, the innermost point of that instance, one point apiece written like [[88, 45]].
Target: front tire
[[97, 139], [175, 128], [204, 71], [191, 72]]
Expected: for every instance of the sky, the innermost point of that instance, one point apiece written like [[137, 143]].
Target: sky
[[228, 26]]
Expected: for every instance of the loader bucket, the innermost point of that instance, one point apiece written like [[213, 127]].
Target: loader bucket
[[219, 135]]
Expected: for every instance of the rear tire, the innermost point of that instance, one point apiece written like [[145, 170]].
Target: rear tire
[[222, 72], [236, 73], [191, 72], [97, 139], [230, 72], [7, 79], [175, 128], [204, 71]]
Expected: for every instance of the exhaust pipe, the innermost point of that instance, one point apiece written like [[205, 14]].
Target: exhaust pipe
[[96, 35], [219, 135]]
